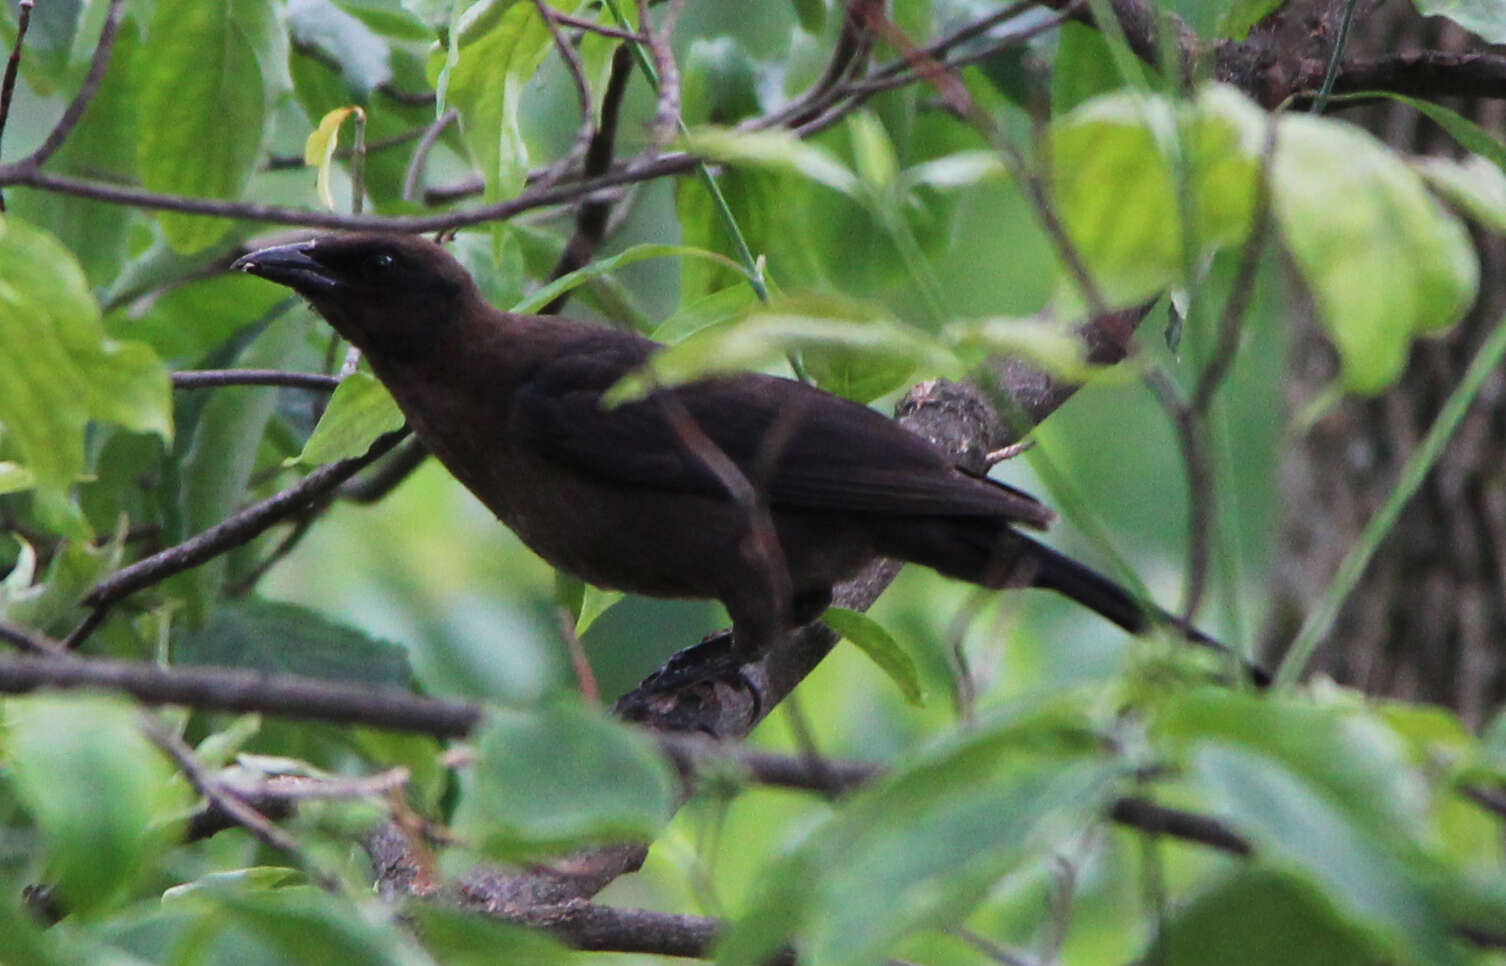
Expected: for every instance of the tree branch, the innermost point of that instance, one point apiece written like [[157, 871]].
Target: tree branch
[[234, 531]]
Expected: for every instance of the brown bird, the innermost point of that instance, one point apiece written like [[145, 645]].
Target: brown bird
[[757, 491]]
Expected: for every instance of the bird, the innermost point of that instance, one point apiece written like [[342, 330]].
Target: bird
[[758, 491]]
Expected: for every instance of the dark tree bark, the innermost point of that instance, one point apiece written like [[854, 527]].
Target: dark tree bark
[[1428, 621]]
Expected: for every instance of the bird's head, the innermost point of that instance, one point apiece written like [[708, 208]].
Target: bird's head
[[391, 295]]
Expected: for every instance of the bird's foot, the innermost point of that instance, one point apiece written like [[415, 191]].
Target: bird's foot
[[687, 683]]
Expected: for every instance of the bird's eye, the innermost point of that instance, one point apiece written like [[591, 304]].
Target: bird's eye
[[382, 260]]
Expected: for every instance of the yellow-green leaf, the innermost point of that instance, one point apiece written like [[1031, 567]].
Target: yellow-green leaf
[[319, 150]]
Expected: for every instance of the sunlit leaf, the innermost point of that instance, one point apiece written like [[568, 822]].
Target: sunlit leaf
[[1183, 174], [774, 150], [494, 49], [319, 150], [1383, 260], [63, 372], [1475, 186]]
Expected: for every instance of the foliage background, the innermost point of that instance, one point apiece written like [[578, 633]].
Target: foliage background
[[1370, 848]]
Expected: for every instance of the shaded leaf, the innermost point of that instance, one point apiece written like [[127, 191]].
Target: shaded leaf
[[360, 410], [556, 777], [203, 105], [268, 636], [100, 792], [603, 266], [1295, 825], [881, 647]]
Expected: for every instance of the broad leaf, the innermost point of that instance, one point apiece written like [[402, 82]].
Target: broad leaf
[[204, 92], [556, 777], [99, 791], [881, 647], [263, 635], [1383, 260], [63, 371], [360, 410]]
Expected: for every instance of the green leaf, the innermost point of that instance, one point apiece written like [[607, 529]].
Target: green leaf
[[268, 636], [306, 925], [1183, 176], [1484, 17], [1470, 135], [319, 150], [360, 410], [812, 16], [872, 151], [494, 49], [720, 85], [1297, 827], [71, 574], [458, 938], [876, 642], [1346, 752], [604, 266], [95, 233], [594, 603], [1238, 17], [556, 777], [922, 846], [773, 150], [1475, 186], [1383, 260], [203, 106], [730, 304], [365, 59], [217, 466], [1262, 917], [99, 791], [63, 371], [258, 878], [1082, 69], [808, 325], [961, 169]]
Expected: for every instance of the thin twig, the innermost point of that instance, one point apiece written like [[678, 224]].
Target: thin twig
[[288, 162], [594, 213], [234, 531], [12, 68], [414, 175], [74, 112], [239, 690], [585, 677], [216, 378], [592, 26], [216, 794]]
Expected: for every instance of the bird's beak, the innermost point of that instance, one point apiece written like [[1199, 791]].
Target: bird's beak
[[290, 265]]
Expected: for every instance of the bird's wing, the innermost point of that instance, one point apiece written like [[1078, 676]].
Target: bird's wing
[[806, 449]]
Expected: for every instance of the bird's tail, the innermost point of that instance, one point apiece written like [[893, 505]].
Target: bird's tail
[[993, 554], [1083, 584]]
